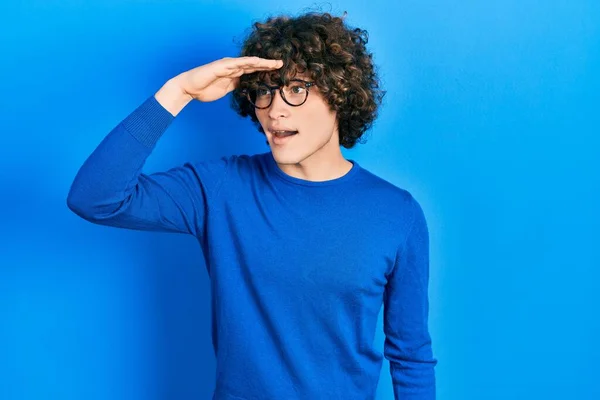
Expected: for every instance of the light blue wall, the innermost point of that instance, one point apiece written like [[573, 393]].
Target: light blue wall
[[491, 120]]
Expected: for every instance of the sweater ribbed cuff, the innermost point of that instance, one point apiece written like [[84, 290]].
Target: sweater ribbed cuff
[[148, 122]]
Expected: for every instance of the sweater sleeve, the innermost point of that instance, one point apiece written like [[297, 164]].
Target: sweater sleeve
[[407, 343], [111, 189]]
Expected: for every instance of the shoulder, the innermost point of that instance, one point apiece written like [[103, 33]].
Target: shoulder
[[234, 169], [224, 162], [393, 206], [387, 194]]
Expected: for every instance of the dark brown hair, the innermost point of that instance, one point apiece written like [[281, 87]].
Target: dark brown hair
[[333, 55]]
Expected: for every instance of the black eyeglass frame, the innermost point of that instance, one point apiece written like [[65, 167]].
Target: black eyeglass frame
[[272, 89]]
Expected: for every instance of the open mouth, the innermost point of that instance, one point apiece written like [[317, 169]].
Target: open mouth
[[282, 134], [281, 137]]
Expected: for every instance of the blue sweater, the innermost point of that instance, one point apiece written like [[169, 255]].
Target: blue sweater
[[299, 270]]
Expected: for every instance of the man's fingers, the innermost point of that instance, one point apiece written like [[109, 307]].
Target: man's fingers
[[255, 62], [235, 72], [251, 70]]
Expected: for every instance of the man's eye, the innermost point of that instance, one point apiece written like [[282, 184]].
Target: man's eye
[[262, 92], [297, 89]]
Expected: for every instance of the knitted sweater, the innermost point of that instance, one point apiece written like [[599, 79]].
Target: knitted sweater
[[299, 270]]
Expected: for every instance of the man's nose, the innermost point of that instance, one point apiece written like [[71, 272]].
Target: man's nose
[[278, 106]]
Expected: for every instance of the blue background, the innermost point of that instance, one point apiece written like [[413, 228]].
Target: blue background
[[491, 120]]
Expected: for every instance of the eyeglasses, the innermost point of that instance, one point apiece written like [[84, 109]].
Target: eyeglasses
[[294, 94]]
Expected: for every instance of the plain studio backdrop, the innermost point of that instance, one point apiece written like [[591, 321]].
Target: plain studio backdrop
[[491, 121]]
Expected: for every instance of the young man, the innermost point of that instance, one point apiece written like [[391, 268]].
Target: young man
[[303, 247]]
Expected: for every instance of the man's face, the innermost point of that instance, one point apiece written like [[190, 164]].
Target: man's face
[[315, 123]]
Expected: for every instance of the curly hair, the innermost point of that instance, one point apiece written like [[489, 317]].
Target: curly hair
[[335, 58]]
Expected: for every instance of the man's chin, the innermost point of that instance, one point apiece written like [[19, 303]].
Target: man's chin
[[286, 157]]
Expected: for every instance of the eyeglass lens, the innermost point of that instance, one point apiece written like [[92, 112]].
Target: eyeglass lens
[[262, 96]]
